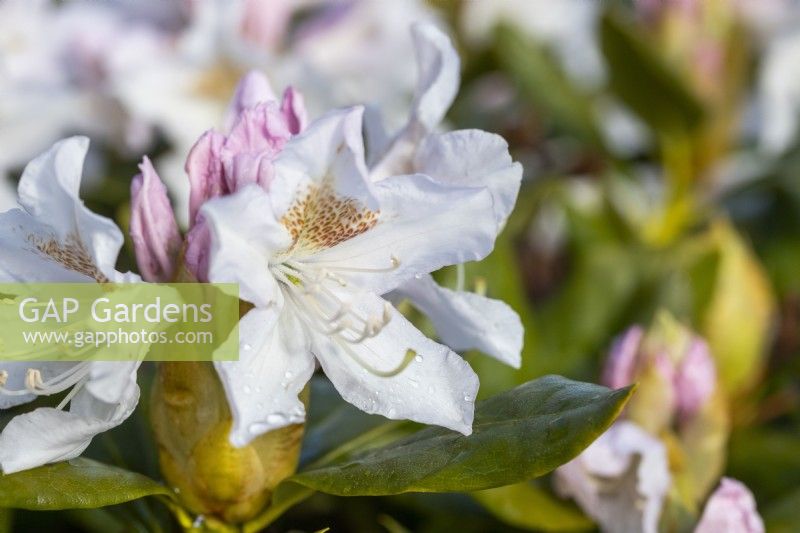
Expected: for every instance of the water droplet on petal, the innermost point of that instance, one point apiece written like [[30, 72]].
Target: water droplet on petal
[[276, 419], [467, 398], [392, 412], [288, 375], [418, 358], [246, 389], [247, 347]]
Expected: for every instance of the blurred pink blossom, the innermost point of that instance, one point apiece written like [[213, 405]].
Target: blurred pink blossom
[[731, 508], [685, 364]]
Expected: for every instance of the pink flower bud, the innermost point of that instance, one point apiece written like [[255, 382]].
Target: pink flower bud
[[731, 508], [154, 231], [695, 379], [252, 89], [259, 126], [621, 364]]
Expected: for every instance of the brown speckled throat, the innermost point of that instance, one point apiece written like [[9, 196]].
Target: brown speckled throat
[[321, 219]]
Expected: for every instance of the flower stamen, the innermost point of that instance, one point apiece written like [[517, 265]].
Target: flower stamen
[[73, 378]]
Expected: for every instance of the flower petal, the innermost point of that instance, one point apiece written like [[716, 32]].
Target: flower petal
[[263, 385], [204, 167], [436, 387], [21, 261], [243, 235], [620, 480], [48, 435], [422, 227], [467, 321], [16, 372], [154, 230], [330, 153], [732, 509], [695, 379], [472, 158], [620, 368], [257, 136], [294, 111], [48, 190], [252, 89], [438, 77], [110, 381]]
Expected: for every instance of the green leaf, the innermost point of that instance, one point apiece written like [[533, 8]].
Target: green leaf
[[518, 435], [783, 516], [738, 319], [6, 520], [75, 484], [335, 427], [527, 506], [642, 79]]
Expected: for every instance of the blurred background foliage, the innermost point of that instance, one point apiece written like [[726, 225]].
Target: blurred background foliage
[[645, 191]]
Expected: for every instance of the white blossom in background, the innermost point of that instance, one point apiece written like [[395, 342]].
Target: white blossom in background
[[53, 237], [60, 69], [621, 480], [569, 27], [340, 53]]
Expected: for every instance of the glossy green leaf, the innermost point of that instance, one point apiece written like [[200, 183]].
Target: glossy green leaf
[[527, 506], [79, 483], [518, 435], [642, 79]]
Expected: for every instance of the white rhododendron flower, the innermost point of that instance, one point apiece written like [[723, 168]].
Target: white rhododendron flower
[[315, 237], [70, 80], [314, 254], [464, 158], [55, 238]]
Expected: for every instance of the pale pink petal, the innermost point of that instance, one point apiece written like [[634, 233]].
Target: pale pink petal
[[198, 248], [204, 168], [294, 111], [154, 231], [254, 141], [621, 364], [732, 509], [695, 379], [265, 23], [253, 88]]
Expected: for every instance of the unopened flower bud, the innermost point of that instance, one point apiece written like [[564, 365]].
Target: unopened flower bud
[[674, 369], [211, 477]]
